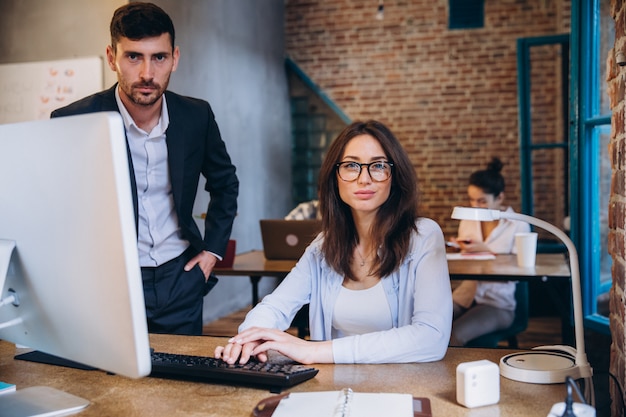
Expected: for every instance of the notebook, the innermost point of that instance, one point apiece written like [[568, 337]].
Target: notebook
[[287, 239], [343, 403]]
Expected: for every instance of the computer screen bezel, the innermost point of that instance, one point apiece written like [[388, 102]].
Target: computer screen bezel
[[67, 206]]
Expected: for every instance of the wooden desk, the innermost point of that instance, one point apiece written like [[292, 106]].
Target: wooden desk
[[112, 395], [254, 265], [550, 268], [504, 267]]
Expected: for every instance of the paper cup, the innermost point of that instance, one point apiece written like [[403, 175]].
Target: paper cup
[[526, 245]]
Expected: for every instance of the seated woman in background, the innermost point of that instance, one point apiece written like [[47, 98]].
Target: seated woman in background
[[308, 210], [481, 307], [376, 278]]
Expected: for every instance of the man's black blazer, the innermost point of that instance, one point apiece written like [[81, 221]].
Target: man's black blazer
[[194, 147]]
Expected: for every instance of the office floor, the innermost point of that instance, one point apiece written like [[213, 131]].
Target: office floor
[[541, 331]]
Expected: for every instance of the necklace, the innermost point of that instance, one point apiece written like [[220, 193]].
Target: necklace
[[360, 256]]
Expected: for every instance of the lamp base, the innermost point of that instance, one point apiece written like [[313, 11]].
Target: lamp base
[[539, 367]]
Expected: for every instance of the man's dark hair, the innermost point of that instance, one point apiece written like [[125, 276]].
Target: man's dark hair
[[139, 20]]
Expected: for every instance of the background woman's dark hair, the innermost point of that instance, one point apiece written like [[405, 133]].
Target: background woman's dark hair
[[489, 180], [395, 220], [139, 20]]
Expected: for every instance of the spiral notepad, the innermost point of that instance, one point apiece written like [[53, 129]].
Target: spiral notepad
[[344, 403]]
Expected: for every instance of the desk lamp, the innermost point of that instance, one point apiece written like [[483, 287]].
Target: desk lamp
[[544, 364]]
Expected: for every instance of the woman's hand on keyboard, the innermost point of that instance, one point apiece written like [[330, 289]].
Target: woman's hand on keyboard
[[256, 341], [233, 351]]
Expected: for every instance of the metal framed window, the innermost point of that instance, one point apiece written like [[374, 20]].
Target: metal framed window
[[543, 78], [593, 32]]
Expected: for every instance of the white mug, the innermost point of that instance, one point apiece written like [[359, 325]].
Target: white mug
[[526, 246]]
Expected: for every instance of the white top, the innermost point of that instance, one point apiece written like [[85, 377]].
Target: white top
[[361, 311]]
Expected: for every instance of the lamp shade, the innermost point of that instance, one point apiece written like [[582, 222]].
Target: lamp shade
[[477, 214]]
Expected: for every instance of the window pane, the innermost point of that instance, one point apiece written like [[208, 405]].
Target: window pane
[[606, 38], [550, 194], [548, 94], [602, 136]]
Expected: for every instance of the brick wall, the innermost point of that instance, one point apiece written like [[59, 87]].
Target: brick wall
[[450, 95], [616, 77]]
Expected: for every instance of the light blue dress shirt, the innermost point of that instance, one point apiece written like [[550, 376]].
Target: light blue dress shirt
[[159, 237]]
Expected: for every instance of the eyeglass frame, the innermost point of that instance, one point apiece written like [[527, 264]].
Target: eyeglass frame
[[339, 164]]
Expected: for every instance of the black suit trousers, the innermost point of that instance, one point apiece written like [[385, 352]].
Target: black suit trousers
[[174, 297]]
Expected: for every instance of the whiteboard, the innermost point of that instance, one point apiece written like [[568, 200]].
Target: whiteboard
[[30, 91]]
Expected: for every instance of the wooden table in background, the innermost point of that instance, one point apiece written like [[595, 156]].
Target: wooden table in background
[[550, 268], [254, 265], [504, 268]]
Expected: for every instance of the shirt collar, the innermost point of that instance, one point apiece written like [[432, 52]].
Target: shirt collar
[[129, 123]]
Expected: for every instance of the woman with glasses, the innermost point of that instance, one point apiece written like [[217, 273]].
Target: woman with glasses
[[376, 278]]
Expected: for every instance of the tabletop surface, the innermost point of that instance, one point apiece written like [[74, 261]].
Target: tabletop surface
[[254, 263], [113, 395], [553, 265]]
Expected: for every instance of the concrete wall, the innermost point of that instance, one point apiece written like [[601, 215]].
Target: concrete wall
[[232, 55], [34, 30]]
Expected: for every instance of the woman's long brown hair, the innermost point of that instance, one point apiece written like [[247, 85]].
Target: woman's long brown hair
[[395, 219]]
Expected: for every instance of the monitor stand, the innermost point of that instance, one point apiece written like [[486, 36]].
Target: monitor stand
[[33, 401], [6, 250], [40, 401]]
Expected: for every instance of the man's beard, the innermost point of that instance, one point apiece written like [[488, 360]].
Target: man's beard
[[146, 99], [141, 99]]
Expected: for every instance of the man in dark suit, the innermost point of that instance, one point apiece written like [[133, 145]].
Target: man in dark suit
[[172, 140]]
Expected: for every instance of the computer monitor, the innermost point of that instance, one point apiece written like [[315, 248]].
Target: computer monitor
[[68, 245]]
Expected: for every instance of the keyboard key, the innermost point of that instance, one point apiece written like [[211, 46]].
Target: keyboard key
[[274, 377]]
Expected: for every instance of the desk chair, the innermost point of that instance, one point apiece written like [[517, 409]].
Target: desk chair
[[520, 323]]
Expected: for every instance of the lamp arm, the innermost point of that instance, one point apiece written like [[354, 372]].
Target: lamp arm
[[581, 356]]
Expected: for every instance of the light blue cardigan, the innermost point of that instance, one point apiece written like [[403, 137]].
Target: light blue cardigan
[[419, 296]]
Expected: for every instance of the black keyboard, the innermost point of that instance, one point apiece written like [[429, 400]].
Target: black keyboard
[[270, 376]]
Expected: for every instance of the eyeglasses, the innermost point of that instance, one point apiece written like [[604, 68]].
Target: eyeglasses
[[378, 171]]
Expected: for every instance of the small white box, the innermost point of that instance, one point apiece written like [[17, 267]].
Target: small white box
[[477, 383]]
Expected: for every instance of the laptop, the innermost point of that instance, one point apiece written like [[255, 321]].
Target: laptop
[[287, 239]]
